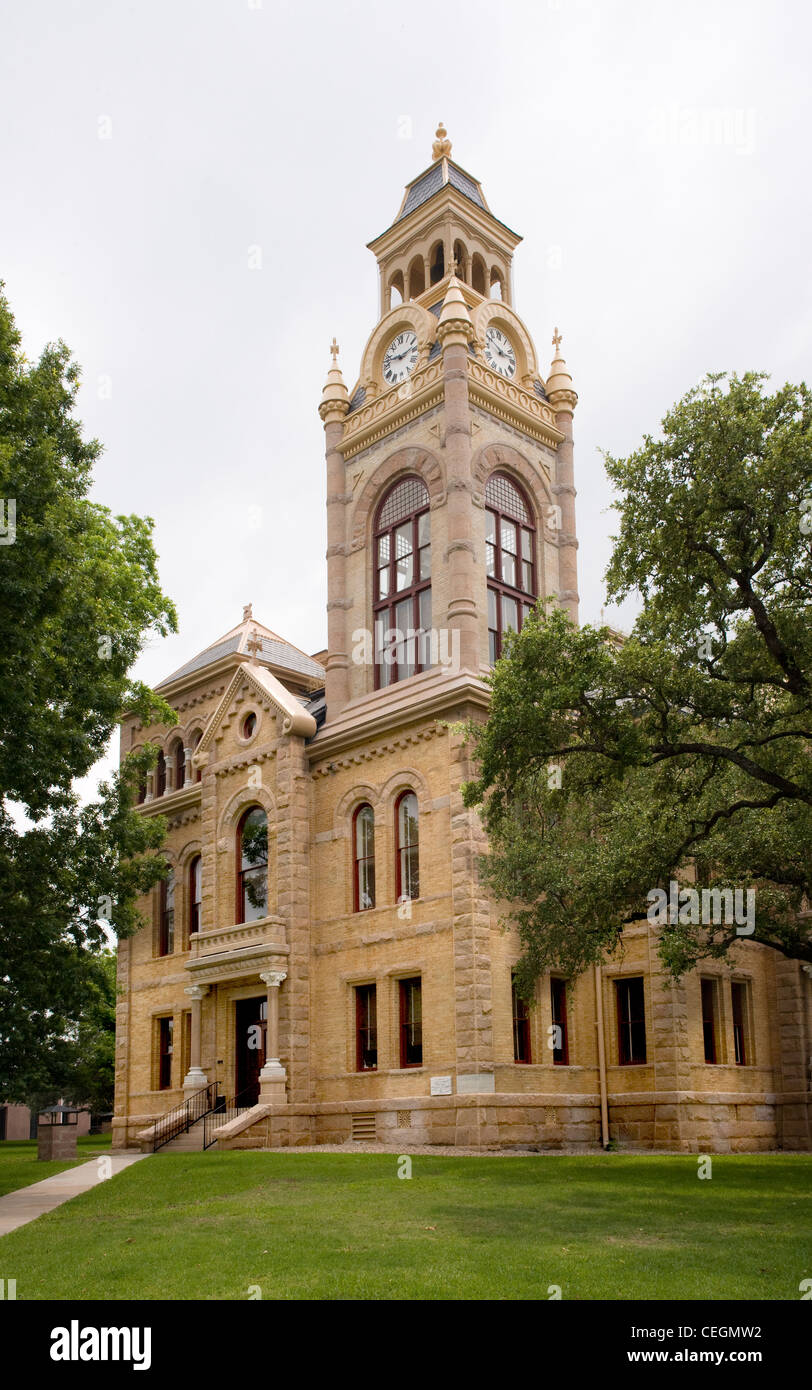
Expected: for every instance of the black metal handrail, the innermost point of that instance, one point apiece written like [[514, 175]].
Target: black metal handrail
[[177, 1120], [224, 1111]]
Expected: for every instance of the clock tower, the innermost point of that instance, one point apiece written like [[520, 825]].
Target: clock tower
[[450, 496]]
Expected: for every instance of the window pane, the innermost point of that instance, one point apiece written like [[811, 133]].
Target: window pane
[[409, 872], [527, 577], [527, 544], [383, 582], [407, 820], [508, 569], [425, 562], [366, 885], [423, 529], [404, 572], [490, 561], [508, 536], [509, 613], [425, 610], [383, 550], [492, 652], [490, 528], [364, 833], [492, 619]]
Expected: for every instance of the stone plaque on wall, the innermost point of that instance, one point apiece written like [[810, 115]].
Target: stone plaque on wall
[[441, 1085], [475, 1081]]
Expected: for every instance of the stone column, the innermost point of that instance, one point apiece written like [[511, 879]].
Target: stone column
[[273, 1076], [150, 794], [195, 1078], [187, 767], [333, 408], [465, 568], [563, 400]]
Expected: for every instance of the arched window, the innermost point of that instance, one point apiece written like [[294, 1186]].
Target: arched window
[[196, 737], [417, 278], [252, 866], [478, 275], [402, 583], [460, 258], [408, 864], [195, 893], [178, 764], [249, 725], [510, 559], [397, 292], [496, 283], [166, 935], [437, 266], [363, 840], [160, 774]]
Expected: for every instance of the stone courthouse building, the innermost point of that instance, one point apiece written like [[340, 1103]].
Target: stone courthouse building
[[322, 955]]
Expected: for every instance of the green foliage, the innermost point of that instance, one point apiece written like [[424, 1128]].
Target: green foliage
[[80, 594], [687, 743]]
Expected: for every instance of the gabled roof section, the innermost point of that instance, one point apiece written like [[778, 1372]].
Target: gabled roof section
[[242, 640], [296, 719]]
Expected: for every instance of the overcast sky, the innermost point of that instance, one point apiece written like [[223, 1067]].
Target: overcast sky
[[655, 158]]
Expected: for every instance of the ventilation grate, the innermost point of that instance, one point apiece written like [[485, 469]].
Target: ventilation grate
[[404, 1119], [363, 1127]]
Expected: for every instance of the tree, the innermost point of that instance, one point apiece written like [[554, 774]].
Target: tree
[[79, 593], [608, 767]]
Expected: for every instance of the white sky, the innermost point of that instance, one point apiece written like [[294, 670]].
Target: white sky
[[655, 158]]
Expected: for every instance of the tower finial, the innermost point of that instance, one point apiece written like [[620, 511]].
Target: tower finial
[[334, 350], [442, 145], [556, 339]]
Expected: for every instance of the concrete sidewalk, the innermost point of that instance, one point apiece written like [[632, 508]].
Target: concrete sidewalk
[[27, 1203]]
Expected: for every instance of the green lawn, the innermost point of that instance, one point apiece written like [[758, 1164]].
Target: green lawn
[[332, 1226], [19, 1166]]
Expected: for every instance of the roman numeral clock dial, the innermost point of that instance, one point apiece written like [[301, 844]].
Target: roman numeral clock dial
[[400, 359], [499, 353]]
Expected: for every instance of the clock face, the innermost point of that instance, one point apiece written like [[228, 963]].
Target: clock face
[[400, 358], [499, 354]]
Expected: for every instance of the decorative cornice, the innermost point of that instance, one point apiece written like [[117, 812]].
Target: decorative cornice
[[510, 402], [392, 409], [378, 750]]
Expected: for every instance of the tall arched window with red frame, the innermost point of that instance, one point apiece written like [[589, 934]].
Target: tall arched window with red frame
[[510, 559], [406, 835], [252, 865], [363, 851], [402, 582]]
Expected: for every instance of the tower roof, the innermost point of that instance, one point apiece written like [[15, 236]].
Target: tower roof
[[251, 640], [443, 175]]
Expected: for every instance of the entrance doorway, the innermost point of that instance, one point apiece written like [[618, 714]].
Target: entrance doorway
[[251, 1025]]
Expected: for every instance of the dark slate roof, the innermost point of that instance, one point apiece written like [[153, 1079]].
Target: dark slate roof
[[538, 387], [432, 181], [463, 184], [278, 653], [358, 399], [283, 654], [437, 308], [203, 659], [435, 350], [317, 706]]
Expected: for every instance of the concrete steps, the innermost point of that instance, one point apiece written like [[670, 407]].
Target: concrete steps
[[191, 1141]]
